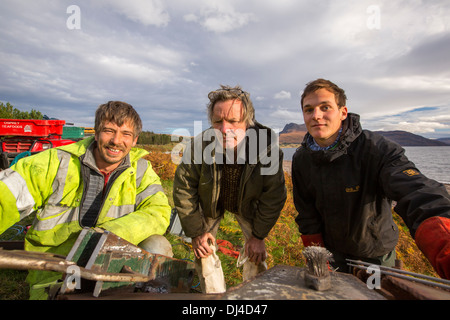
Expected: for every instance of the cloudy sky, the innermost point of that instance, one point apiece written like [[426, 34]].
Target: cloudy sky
[[64, 58]]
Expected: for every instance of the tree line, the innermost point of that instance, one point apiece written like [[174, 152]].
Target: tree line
[[8, 111], [149, 137]]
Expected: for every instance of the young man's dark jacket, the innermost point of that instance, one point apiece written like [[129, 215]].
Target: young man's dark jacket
[[345, 194]]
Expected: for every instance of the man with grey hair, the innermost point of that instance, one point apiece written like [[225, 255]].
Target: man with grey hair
[[232, 176]]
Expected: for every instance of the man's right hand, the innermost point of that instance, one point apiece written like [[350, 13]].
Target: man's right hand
[[201, 247]]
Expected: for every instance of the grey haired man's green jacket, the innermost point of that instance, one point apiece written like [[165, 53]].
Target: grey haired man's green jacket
[[262, 194]]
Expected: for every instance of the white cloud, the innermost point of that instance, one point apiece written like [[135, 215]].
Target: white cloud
[[418, 127], [219, 17], [282, 95], [127, 69], [147, 12], [440, 118], [165, 56], [190, 17], [414, 82], [402, 25], [287, 115], [225, 22], [427, 121]]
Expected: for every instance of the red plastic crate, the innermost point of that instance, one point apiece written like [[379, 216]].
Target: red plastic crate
[[31, 128], [17, 146]]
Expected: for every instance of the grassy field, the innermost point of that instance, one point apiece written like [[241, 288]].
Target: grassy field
[[283, 244]]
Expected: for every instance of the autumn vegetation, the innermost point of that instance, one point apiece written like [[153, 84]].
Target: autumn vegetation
[[283, 244]]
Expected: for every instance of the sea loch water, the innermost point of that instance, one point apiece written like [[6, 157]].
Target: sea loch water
[[434, 162]]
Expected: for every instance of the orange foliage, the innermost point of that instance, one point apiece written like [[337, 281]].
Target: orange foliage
[[162, 164], [407, 251], [283, 244]]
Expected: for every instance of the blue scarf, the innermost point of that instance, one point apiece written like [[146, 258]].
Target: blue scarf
[[312, 144]]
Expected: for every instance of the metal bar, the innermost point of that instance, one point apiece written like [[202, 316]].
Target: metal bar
[[430, 283], [113, 277], [10, 259], [418, 275]]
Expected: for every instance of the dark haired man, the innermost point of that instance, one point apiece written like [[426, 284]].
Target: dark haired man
[[344, 179], [102, 181]]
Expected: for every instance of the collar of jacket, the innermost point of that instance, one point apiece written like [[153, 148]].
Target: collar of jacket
[[88, 159], [351, 130], [79, 148]]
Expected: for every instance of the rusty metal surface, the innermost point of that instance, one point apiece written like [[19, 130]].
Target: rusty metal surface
[[287, 283], [104, 261], [398, 284], [28, 260], [402, 289], [12, 244], [118, 294], [404, 274], [104, 252]]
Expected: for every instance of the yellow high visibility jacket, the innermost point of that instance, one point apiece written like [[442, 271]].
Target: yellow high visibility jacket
[[50, 183]]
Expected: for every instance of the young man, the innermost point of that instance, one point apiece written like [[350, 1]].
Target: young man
[[101, 181], [344, 179], [231, 176]]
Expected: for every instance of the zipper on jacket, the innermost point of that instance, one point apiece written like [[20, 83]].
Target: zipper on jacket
[[113, 178], [248, 169], [216, 171]]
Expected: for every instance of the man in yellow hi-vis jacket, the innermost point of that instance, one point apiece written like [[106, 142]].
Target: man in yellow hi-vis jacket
[[101, 181]]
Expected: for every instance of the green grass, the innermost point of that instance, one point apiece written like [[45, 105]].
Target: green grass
[[14, 287], [12, 282]]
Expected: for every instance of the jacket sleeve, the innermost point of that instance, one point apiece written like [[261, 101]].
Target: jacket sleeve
[[308, 219], [271, 201], [152, 214], [186, 199], [418, 197], [25, 186], [9, 211]]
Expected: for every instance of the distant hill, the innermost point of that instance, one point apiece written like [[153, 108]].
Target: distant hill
[[293, 127], [445, 140], [408, 139], [293, 133]]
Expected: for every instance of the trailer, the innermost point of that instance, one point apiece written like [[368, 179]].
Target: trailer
[[30, 136], [110, 268]]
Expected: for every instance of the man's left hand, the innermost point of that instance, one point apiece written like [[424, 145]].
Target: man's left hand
[[256, 250]]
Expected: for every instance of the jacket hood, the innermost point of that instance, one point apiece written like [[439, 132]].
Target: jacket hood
[[351, 130], [79, 148]]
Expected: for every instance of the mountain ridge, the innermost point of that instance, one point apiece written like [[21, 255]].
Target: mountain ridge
[[294, 133]]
